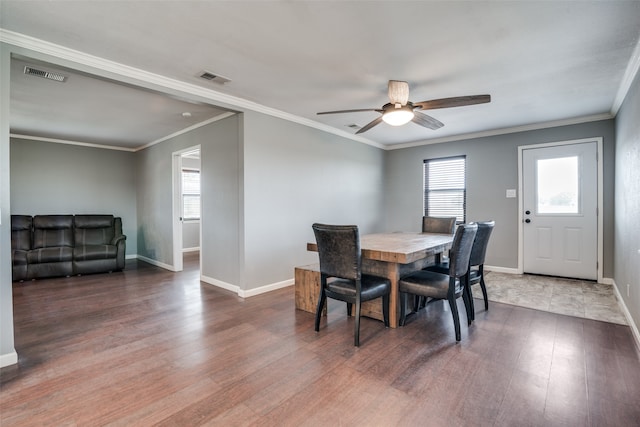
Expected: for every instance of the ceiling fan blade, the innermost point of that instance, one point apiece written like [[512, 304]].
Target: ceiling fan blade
[[370, 125], [351, 111], [458, 101], [426, 121]]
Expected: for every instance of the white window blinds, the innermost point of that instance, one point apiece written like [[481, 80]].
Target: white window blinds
[[190, 194], [445, 190]]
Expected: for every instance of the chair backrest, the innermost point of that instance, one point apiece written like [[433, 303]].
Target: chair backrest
[[461, 249], [339, 250], [433, 224], [479, 250]]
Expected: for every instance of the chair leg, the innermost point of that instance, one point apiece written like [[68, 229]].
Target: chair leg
[[467, 306], [356, 339], [422, 303], [321, 302], [456, 318], [472, 308], [484, 293], [385, 310], [403, 307], [349, 307]]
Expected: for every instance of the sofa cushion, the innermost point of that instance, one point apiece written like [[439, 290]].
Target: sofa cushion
[[94, 229], [52, 231], [19, 257], [21, 232], [89, 252], [52, 254]]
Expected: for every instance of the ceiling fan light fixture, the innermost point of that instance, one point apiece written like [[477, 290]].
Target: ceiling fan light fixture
[[398, 92], [398, 116]]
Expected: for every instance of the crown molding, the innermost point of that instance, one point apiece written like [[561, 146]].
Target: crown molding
[[70, 142], [627, 80], [188, 129], [125, 71], [113, 147], [115, 68], [504, 131]]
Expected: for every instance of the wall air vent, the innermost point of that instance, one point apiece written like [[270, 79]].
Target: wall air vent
[[207, 75], [30, 71]]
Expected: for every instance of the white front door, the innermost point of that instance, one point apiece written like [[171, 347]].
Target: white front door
[[560, 210]]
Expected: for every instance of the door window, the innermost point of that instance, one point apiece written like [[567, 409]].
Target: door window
[[557, 186]]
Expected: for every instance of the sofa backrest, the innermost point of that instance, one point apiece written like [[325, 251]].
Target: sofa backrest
[[52, 230], [94, 229], [21, 226]]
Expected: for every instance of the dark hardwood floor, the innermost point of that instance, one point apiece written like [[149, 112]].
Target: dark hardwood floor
[[151, 347]]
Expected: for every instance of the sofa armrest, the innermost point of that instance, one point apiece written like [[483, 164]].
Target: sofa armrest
[[118, 239]]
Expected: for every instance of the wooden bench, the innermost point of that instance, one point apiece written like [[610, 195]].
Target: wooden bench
[[307, 288]]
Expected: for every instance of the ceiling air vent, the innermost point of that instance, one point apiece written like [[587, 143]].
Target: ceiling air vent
[[207, 75], [30, 71]]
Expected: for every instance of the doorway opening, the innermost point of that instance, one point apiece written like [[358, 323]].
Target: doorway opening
[[187, 211]]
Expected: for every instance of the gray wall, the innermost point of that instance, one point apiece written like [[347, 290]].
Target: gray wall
[[48, 178], [492, 168], [7, 351], [190, 234], [264, 182], [294, 176], [221, 180], [219, 151], [627, 205]]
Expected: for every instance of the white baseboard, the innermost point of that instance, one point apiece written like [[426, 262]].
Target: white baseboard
[[156, 263], [250, 292], [266, 288], [220, 284], [604, 281], [627, 315], [501, 269], [607, 281], [194, 249], [8, 359]]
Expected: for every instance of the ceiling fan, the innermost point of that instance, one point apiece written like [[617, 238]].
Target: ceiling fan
[[399, 111]]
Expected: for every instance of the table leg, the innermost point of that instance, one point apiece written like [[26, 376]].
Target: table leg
[[393, 274]]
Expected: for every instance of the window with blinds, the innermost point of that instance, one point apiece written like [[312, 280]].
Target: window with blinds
[[445, 192], [190, 194]]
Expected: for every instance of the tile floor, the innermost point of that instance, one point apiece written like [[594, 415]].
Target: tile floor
[[579, 298]]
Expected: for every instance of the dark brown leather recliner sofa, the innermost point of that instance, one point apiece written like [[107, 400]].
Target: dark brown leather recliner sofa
[[65, 245]]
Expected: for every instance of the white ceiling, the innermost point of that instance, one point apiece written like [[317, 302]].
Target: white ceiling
[[543, 62]]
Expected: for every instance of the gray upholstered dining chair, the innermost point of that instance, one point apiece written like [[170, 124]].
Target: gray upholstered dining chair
[[341, 275], [476, 262], [449, 286], [434, 224]]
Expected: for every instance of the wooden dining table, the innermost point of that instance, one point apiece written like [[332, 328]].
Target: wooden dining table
[[394, 255]]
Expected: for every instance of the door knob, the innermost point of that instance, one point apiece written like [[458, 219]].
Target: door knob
[[527, 220], [527, 212]]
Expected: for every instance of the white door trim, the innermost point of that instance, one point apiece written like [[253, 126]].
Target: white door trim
[[598, 141], [176, 207]]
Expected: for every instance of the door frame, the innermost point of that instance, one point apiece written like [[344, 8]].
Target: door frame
[[176, 207], [600, 198]]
